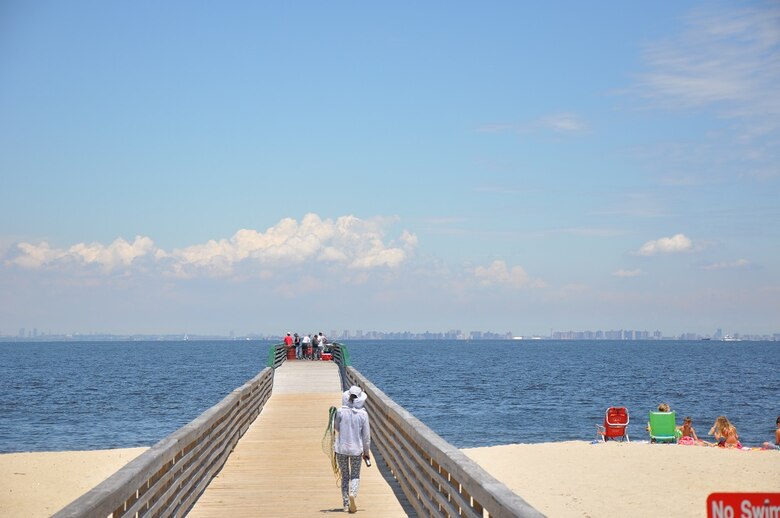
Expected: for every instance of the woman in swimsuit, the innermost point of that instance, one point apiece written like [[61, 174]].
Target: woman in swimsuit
[[725, 433]]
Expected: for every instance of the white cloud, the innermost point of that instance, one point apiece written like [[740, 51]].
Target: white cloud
[[118, 254], [408, 239], [350, 241], [735, 265], [724, 65], [667, 245], [627, 273], [497, 273], [724, 58], [562, 122]]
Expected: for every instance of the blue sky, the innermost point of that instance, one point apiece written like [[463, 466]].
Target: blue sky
[[255, 167]]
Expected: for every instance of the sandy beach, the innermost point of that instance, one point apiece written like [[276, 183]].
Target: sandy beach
[[39, 484], [626, 479], [560, 479]]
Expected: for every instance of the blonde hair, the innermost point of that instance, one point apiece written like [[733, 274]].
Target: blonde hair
[[664, 407], [722, 425]]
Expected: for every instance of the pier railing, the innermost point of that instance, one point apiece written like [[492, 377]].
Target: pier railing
[[167, 479], [277, 354], [436, 477]]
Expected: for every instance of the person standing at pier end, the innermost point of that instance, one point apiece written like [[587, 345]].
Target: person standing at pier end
[[321, 345], [315, 342], [297, 343], [353, 443]]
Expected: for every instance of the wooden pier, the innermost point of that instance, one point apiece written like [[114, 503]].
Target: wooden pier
[[258, 452], [278, 468]]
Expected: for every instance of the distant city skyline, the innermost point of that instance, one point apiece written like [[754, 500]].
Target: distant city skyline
[[452, 334], [504, 165]]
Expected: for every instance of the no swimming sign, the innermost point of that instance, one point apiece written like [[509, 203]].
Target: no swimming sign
[[743, 505]]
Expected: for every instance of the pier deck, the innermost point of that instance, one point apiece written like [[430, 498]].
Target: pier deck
[[278, 468]]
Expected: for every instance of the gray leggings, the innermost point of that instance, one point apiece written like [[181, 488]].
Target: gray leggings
[[350, 475]]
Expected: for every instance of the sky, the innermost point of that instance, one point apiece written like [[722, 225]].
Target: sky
[[208, 167]]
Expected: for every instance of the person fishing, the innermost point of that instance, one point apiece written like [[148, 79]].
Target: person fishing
[[353, 443]]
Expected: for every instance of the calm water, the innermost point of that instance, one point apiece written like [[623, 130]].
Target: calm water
[[90, 395], [486, 393], [95, 395]]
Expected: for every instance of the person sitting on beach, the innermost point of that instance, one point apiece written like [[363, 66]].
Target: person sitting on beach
[[725, 433], [662, 407], [776, 446], [688, 433]]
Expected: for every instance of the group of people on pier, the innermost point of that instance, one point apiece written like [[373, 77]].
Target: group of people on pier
[[307, 347]]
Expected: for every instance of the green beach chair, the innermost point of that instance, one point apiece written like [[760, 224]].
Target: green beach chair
[[663, 427]]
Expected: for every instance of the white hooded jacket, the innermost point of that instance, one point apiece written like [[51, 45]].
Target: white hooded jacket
[[351, 423]]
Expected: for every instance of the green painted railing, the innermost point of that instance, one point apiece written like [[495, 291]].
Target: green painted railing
[[277, 354]]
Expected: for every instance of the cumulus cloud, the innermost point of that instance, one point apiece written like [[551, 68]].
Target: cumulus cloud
[[498, 273], [735, 265], [120, 253], [627, 273], [350, 241], [667, 245]]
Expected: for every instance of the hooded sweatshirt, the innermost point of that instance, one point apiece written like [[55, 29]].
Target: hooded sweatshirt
[[354, 432]]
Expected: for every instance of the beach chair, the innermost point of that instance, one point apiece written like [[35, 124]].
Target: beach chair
[[615, 425], [663, 427]]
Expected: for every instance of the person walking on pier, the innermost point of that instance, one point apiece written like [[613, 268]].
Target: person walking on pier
[[305, 347], [353, 443]]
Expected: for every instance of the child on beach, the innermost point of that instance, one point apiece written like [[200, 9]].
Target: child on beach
[[725, 433], [688, 433], [776, 446]]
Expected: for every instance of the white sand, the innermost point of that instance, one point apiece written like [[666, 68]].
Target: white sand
[[559, 479], [40, 484], [626, 479]]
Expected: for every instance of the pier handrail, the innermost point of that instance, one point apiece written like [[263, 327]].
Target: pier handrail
[[277, 354], [167, 479], [436, 477], [341, 358]]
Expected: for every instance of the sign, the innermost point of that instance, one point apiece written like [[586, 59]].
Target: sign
[[743, 505]]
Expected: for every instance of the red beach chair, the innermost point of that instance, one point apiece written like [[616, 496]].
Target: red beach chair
[[615, 424]]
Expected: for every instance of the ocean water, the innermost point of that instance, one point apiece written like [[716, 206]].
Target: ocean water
[[483, 393], [94, 395], [98, 395]]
